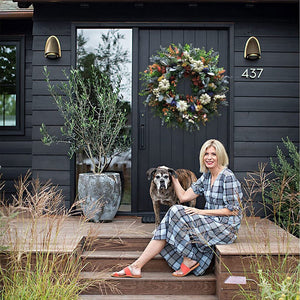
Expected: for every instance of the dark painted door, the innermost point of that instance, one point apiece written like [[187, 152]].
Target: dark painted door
[[155, 144]]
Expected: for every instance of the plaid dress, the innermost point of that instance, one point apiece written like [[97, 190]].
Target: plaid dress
[[195, 236]]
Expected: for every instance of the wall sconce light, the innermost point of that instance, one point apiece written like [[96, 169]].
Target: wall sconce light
[[252, 49], [52, 48]]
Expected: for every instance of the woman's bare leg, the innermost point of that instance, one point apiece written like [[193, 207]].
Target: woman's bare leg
[[152, 249]]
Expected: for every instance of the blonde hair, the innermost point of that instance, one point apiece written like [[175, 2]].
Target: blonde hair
[[220, 151]]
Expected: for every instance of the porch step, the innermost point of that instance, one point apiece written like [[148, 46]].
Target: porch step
[[116, 260], [116, 244], [153, 283], [147, 297]]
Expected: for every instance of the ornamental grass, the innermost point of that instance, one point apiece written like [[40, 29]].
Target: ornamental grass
[[34, 261], [276, 276]]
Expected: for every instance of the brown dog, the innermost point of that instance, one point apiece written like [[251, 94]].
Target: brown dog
[[162, 190]]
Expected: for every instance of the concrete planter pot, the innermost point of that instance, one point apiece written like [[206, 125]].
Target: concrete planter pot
[[100, 195]]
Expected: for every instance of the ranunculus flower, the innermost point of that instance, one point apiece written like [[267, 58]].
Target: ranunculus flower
[[182, 105], [205, 99], [198, 66], [220, 97], [164, 85], [156, 92]]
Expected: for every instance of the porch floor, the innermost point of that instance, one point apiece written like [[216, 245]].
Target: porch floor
[[255, 234], [125, 234]]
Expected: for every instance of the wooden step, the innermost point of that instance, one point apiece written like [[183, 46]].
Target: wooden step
[[116, 260], [124, 243], [147, 297], [152, 283]]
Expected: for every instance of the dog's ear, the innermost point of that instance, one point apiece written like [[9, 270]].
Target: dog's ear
[[150, 173], [172, 172]]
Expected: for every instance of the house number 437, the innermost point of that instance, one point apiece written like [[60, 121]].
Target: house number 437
[[252, 73]]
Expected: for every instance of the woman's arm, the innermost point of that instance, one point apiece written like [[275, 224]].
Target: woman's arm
[[183, 195], [211, 212]]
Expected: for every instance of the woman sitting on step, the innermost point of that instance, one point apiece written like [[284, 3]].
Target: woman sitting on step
[[186, 236]]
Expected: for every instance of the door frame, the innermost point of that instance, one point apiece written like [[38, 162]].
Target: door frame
[[135, 80]]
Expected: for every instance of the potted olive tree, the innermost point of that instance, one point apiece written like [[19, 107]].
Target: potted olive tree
[[94, 124]]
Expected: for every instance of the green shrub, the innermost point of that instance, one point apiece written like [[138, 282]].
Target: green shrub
[[276, 279], [283, 194]]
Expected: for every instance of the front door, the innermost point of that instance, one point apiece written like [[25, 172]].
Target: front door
[[156, 145]]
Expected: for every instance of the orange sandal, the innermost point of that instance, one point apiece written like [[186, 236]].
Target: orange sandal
[[127, 274], [185, 270]]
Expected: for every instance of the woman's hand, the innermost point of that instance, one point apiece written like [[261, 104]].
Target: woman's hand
[[210, 212], [192, 211]]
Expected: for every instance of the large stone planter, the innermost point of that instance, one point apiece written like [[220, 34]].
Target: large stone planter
[[100, 195]]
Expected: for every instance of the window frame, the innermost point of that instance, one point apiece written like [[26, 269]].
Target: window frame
[[18, 41]]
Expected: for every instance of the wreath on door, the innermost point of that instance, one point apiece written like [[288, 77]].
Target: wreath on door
[[208, 86]]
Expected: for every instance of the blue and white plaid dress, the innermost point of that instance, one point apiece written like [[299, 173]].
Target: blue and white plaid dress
[[195, 236]]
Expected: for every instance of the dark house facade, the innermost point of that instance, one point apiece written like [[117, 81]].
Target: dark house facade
[[263, 96]]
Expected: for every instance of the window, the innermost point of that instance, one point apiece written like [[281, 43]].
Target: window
[[109, 50], [11, 86]]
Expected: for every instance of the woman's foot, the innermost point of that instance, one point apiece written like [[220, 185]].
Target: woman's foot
[[128, 272], [186, 267]]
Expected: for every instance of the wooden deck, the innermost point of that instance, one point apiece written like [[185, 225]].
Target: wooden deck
[[64, 234], [123, 239], [259, 242]]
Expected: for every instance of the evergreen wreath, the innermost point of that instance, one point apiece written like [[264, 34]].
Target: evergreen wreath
[[208, 85]]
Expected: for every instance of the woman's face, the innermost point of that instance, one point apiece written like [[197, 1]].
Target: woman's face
[[210, 158]]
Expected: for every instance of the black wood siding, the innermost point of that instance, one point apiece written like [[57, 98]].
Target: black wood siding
[[263, 110], [50, 162], [16, 151]]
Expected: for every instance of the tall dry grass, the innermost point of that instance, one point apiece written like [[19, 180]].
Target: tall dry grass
[[39, 260], [274, 266]]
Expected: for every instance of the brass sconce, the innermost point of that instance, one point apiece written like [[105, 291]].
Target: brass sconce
[[52, 48], [252, 49]]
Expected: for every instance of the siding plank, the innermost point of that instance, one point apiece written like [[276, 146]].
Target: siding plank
[[40, 88], [15, 160], [36, 135], [51, 163], [271, 44], [55, 73], [266, 104], [249, 164], [44, 103], [255, 149], [268, 59], [47, 117], [47, 28], [266, 89], [16, 147], [56, 177], [39, 59], [263, 28], [267, 119], [42, 149], [265, 134]]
